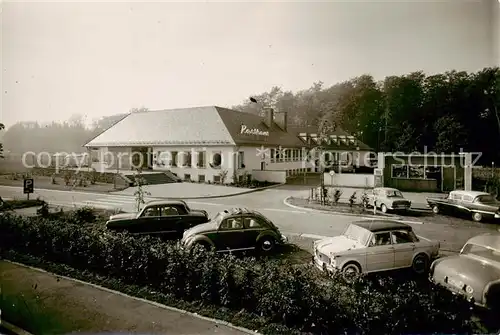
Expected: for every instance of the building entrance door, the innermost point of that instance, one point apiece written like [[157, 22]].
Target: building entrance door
[[262, 166]]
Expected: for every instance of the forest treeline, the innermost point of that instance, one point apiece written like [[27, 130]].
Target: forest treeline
[[445, 112]]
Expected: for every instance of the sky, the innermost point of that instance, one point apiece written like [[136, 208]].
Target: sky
[[103, 58]]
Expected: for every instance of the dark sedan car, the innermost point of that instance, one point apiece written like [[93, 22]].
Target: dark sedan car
[[166, 218], [236, 229], [479, 205]]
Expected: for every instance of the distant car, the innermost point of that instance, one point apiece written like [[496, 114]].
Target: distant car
[[166, 218], [386, 199], [234, 230], [479, 205], [474, 273], [373, 246]]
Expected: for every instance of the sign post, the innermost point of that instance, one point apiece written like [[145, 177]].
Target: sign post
[[28, 186]]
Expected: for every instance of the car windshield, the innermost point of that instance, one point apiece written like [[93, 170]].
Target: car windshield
[[481, 251], [393, 194], [486, 199], [357, 233]]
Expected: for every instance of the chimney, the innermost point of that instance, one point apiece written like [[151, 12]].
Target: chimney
[[269, 117], [282, 120]]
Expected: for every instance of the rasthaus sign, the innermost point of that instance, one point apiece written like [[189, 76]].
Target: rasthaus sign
[[253, 131]]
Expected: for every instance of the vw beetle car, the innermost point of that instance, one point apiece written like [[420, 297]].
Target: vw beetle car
[[373, 246], [474, 273], [236, 229], [479, 205], [165, 218], [386, 199]]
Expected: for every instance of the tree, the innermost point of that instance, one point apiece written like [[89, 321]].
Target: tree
[[2, 127], [140, 193]]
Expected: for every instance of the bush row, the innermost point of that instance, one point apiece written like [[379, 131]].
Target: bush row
[[18, 204], [283, 293]]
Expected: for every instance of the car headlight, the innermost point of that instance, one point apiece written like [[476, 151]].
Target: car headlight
[[469, 289]]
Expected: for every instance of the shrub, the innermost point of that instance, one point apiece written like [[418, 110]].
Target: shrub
[[337, 193], [293, 296]]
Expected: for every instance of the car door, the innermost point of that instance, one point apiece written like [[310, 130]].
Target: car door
[[183, 220], [230, 235], [147, 222], [167, 225], [404, 248], [253, 226], [380, 252]]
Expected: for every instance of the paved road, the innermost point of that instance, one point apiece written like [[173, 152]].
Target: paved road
[[270, 202]]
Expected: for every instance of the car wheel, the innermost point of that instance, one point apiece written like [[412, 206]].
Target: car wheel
[[435, 209], [203, 245], [477, 217], [267, 244], [383, 208], [420, 264], [350, 271]]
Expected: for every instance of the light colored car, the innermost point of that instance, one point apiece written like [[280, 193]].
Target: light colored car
[[372, 246], [386, 199], [474, 273]]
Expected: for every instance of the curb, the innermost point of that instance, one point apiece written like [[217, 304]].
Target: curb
[[10, 327], [247, 191], [173, 309], [395, 218], [252, 190]]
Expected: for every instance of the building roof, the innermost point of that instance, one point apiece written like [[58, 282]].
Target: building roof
[[210, 125], [345, 141], [381, 225]]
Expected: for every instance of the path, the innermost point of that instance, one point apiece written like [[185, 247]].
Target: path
[[71, 306]]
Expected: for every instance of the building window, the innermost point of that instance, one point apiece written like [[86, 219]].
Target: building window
[[201, 159], [241, 160], [277, 155], [186, 159], [216, 179], [216, 160], [416, 172], [173, 159], [187, 177], [399, 171], [201, 178], [433, 172]]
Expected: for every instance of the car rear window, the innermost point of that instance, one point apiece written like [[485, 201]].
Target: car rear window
[[486, 199]]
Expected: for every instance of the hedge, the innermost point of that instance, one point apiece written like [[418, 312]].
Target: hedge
[[292, 296], [21, 203]]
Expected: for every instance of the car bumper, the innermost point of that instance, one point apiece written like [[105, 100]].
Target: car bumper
[[456, 291], [497, 216], [322, 265]]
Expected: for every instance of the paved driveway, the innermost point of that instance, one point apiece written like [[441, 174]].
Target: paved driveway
[[184, 190], [452, 233]]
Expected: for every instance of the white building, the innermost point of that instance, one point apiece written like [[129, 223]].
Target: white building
[[206, 144]]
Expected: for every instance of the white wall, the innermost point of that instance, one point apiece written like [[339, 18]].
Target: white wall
[[350, 180], [252, 161], [270, 176], [194, 171]]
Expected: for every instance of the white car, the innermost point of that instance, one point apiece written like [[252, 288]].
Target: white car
[[373, 246]]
